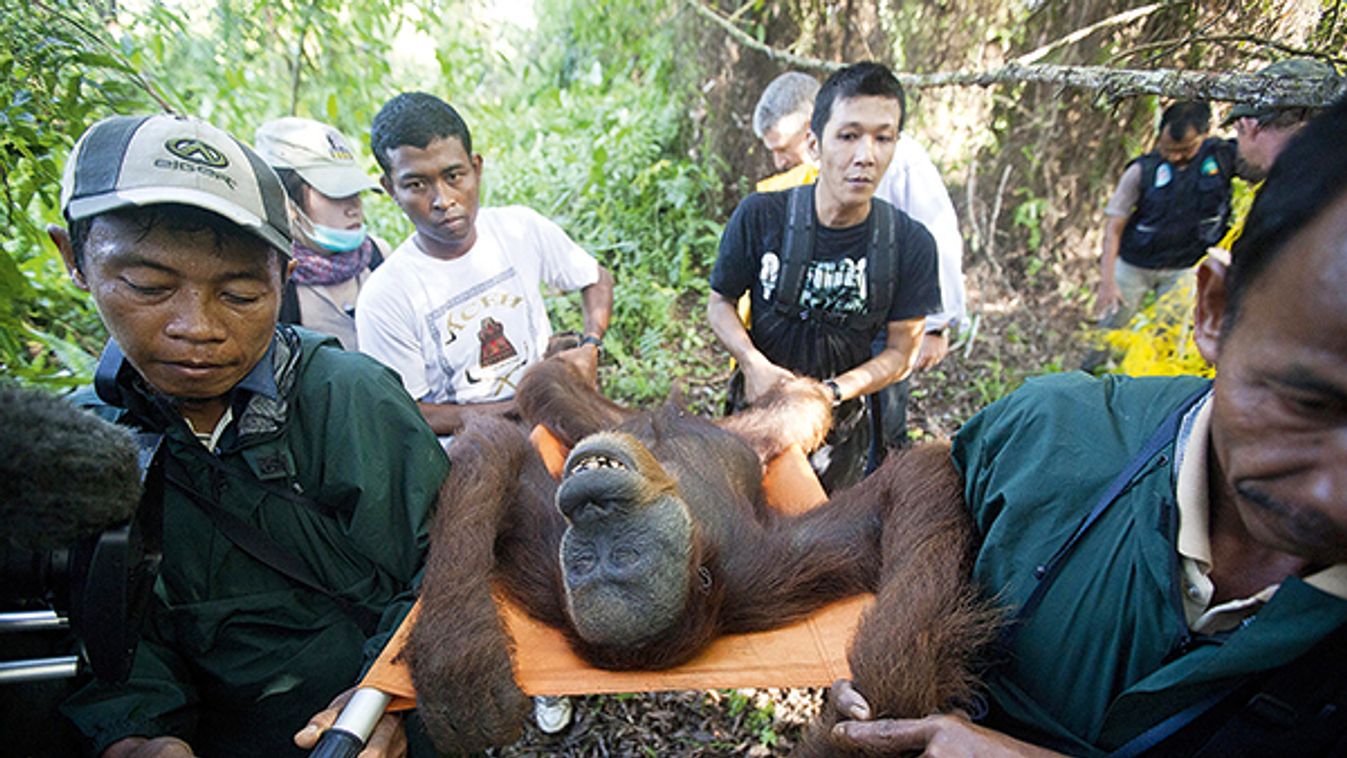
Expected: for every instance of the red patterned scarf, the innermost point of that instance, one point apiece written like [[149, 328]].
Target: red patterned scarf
[[331, 268]]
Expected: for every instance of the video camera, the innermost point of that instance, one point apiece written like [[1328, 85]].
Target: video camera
[[81, 522]]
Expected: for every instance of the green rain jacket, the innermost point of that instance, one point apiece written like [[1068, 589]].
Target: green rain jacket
[[235, 656], [1108, 653]]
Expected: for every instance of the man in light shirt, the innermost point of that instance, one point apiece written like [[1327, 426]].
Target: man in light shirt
[[457, 311]]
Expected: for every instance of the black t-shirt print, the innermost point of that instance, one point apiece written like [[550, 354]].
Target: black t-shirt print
[[835, 280]]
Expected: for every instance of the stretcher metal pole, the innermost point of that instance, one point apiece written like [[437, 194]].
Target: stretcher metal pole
[[35, 669], [32, 621], [353, 726], [38, 669]]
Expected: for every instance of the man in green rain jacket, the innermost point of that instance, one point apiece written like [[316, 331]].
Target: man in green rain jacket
[[1174, 552], [299, 479]]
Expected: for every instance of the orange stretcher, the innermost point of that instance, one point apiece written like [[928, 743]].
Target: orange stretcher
[[810, 653]]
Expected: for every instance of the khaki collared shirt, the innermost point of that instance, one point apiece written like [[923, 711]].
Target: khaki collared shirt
[[1194, 542]]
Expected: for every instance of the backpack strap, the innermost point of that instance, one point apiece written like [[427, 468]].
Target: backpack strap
[[1045, 573], [1298, 709], [263, 548], [1150, 164], [881, 265], [289, 303], [1294, 710], [381, 252], [294, 497], [797, 247]]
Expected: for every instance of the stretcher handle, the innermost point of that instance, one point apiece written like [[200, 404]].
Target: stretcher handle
[[347, 736]]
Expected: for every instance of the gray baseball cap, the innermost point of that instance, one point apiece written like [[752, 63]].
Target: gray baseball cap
[[126, 161], [1291, 68], [321, 155]]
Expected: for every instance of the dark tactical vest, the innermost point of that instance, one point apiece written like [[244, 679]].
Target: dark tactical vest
[[1181, 212]]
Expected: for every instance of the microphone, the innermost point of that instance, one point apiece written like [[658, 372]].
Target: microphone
[[79, 535], [65, 474]]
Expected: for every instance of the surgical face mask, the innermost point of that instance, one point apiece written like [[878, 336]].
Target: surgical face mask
[[337, 240], [330, 238]]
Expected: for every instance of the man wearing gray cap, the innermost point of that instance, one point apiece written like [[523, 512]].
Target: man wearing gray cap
[[289, 550], [1263, 132], [333, 252]]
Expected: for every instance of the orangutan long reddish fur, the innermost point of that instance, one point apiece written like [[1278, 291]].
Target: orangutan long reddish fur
[[556, 395], [917, 648], [459, 635], [903, 532]]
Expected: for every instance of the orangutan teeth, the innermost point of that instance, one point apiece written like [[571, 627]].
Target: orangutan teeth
[[594, 461]]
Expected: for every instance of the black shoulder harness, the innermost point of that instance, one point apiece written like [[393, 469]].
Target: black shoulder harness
[[798, 248]]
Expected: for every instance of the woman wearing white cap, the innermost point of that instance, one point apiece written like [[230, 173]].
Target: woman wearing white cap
[[334, 251]]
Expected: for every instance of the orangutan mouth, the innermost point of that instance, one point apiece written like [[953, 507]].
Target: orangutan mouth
[[595, 461]]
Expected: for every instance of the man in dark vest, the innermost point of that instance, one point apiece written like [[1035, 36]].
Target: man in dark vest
[[1169, 207], [829, 269]]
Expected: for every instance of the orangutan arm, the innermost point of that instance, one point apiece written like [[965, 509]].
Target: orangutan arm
[[916, 648], [556, 394], [458, 651], [449, 418], [797, 411]]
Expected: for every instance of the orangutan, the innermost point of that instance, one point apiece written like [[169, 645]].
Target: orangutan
[[657, 540]]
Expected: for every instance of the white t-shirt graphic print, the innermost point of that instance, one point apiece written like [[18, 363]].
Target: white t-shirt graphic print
[[464, 330]]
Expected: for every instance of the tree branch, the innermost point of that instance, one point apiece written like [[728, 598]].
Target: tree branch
[[1226, 38], [297, 70], [1115, 20], [1110, 83]]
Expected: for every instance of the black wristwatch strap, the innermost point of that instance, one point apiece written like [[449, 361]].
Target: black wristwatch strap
[[837, 391], [590, 339]]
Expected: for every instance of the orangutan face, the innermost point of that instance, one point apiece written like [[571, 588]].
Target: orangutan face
[[625, 556]]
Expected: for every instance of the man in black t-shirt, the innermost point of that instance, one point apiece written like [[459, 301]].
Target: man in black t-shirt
[[825, 332]]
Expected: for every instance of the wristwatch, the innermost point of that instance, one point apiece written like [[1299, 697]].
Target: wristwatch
[[837, 391], [590, 339]]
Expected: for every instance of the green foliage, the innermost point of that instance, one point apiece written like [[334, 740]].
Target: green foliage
[[993, 384], [57, 75], [1029, 216], [580, 113], [758, 720], [603, 153]]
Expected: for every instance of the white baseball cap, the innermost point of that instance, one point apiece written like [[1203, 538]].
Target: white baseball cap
[[321, 155], [126, 161]]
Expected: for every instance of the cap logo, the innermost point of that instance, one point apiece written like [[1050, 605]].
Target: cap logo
[[338, 150], [196, 157], [198, 152]]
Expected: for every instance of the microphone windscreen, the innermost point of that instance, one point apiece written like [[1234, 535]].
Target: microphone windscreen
[[65, 474]]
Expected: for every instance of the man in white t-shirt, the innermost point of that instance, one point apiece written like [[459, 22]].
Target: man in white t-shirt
[[457, 311]]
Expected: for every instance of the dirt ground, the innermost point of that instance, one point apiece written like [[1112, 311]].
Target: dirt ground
[[1023, 328]]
